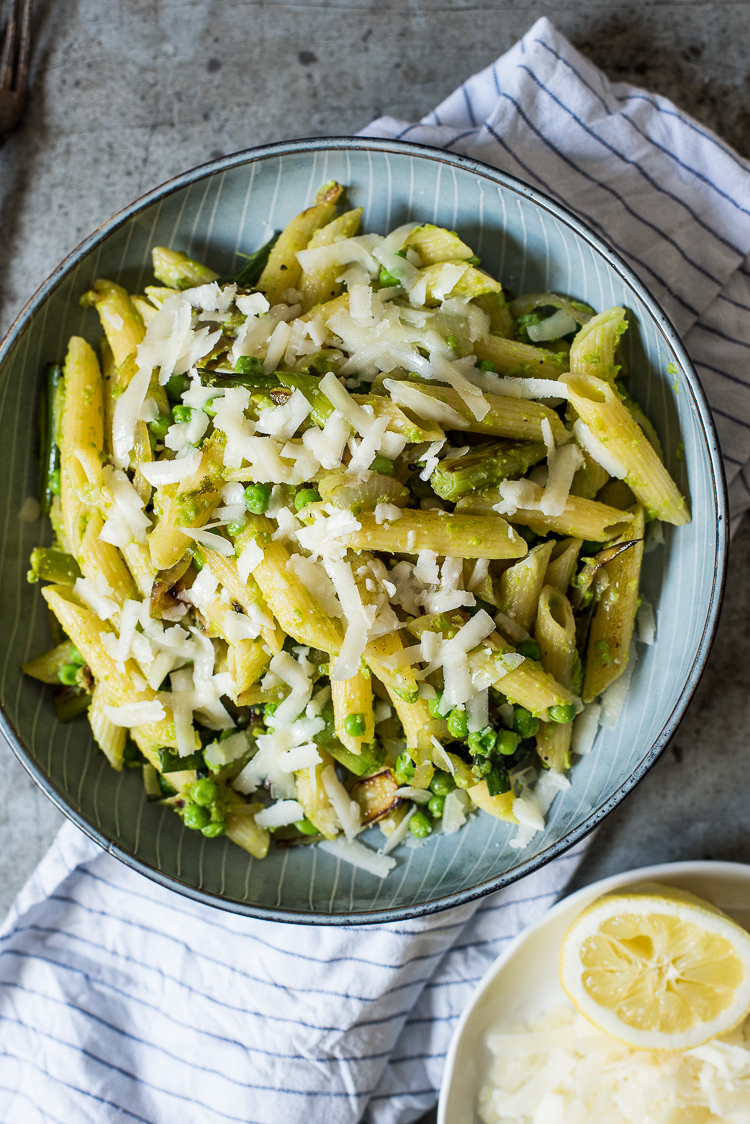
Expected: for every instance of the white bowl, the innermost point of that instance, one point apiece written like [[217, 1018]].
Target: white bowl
[[523, 981]]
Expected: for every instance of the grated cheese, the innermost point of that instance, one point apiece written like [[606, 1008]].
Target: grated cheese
[[360, 856], [135, 714], [159, 473], [598, 451], [559, 1068]]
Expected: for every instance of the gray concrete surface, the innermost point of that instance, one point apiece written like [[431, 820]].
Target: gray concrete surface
[[129, 92]]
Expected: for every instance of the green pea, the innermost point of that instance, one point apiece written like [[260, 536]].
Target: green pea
[[507, 742], [195, 817], [562, 712], [384, 466], [53, 481], [197, 560], [235, 529], [216, 827], [257, 498], [458, 723], [482, 743], [530, 649], [203, 791], [355, 725], [249, 365], [182, 414], [77, 658], [498, 781], [404, 770], [524, 722], [420, 824], [176, 387], [487, 365], [160, 425], [68, 674], [433, 705], [435, 806], [442, 783], [306, 827], [387, 280], [304, 497]]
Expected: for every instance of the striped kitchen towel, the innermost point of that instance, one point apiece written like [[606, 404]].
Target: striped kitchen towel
[[122, 1001]]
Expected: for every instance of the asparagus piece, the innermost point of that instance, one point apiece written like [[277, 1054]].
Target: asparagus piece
[[53, 566], [249, 272], [49, 453], [485, 466]]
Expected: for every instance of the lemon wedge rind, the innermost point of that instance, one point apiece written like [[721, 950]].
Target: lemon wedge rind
[[619, 969]]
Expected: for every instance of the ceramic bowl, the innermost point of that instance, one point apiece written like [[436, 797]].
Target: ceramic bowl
[[214, 213], [523, 981]]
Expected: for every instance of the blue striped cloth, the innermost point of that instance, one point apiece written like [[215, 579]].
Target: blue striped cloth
[[121, 1001]]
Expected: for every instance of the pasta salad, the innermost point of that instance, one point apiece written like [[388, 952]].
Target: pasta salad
[[348, 537]]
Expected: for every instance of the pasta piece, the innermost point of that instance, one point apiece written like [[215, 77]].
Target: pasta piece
[[612, 626], [318, 286], [313, 797], [435, 244], [187, 507], [614, 436], [293, 605], [556, 637], [138, 559], [448, 279], [501, 807], [177, 271], [592, 352], [81, 437], [145, 309], [245, 832], [522, 680], [519, 419], [521, 585], [282, 270], [589, 478], [521, 360], [86, 631], [99, 558], [110, 738], [353, 711], [458, 536], [120, 319], [584, 519], [562, 564]]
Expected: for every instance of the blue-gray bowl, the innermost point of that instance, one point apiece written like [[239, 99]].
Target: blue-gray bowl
[[532, 244]]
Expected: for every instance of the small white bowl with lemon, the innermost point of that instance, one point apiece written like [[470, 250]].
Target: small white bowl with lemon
[[649, 965]]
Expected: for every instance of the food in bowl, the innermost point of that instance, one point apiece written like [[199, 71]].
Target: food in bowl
[[361, 513], [660, 981]]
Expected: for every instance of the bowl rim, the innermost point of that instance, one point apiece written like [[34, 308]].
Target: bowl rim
[[656, 872], [672, 340]]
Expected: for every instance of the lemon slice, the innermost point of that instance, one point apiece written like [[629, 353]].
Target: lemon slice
[[657, 968]]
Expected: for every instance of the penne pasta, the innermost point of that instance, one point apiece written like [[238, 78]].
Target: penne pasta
[[613, 435], [323, 566], [612, 627]]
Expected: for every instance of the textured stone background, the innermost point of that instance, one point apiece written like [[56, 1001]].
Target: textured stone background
[[126, 93]]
